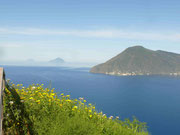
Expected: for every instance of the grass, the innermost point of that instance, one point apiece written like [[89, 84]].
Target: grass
[[35, 110]]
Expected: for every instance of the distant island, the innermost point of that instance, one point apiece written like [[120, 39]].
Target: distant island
[[58, 61], [138, 60]]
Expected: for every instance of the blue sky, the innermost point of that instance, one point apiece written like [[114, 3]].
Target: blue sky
[[86, 30]]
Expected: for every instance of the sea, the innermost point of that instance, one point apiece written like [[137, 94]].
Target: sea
[[151, 99]]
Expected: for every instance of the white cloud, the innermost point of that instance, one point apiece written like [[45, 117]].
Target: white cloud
[[107, 33]]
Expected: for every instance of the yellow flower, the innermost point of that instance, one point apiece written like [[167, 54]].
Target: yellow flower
[[62, 94], [60, 105], [84, 101], [31, 98], [68, 96], [21, 97], [68, 100], [37, 100], [75, 107], [90, 116], [93, 107], [90, 111], [89, 104]]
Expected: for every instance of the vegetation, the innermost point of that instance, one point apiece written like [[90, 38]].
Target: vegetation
[[36, 110], [138, 60]]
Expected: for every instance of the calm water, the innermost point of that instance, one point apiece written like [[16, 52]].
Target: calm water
[[152, 99]]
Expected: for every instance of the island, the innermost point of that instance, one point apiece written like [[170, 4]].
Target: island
[[138, 60], [56, 62]]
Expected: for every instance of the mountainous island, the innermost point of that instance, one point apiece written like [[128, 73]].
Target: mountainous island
[[138, 60], [57, 61]]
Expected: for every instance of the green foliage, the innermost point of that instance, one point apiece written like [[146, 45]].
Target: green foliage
[[35, 110]]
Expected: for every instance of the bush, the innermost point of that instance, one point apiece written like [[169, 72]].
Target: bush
[[37, 110]]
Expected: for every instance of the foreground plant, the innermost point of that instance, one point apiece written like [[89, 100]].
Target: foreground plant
[[38, 110]]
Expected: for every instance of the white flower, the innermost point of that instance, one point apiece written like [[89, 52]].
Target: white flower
[[11, 102], [7, 115], [111, 117], [8, 80], [22, 101], [81, 98], [104, 115], [117, 117], [33, 88]]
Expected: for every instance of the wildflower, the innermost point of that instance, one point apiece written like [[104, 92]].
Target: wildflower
[[90, 104], [75, 107], [117, 117], [8, 80], [52, 94], [68, 96], [33, 88], [60, 105], [11, 102], [38, 101], [22, 101], [90, 111], [111, 117], [68, 100], [21, 97], [84, 101], [62, 94], [93, 107], [90, 116], [81, 98], [31, 98], [104, 115]]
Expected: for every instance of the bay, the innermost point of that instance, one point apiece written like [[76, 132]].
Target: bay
[[151, 99]]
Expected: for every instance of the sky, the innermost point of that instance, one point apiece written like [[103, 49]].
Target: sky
[[89, 31]]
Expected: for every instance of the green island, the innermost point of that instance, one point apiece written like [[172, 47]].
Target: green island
[[36, 110]]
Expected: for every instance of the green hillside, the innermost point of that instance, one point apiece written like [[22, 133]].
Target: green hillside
[[36, 110], [138, 60]]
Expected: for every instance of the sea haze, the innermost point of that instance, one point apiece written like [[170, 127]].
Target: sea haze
[[152, 99]]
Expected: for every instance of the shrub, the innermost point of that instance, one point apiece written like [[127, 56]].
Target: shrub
[[37, 110]]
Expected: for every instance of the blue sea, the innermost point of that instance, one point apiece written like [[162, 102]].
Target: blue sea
[[152, 99]]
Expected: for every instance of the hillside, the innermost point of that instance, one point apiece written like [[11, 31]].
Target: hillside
[[138, 60], [36, 110]]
